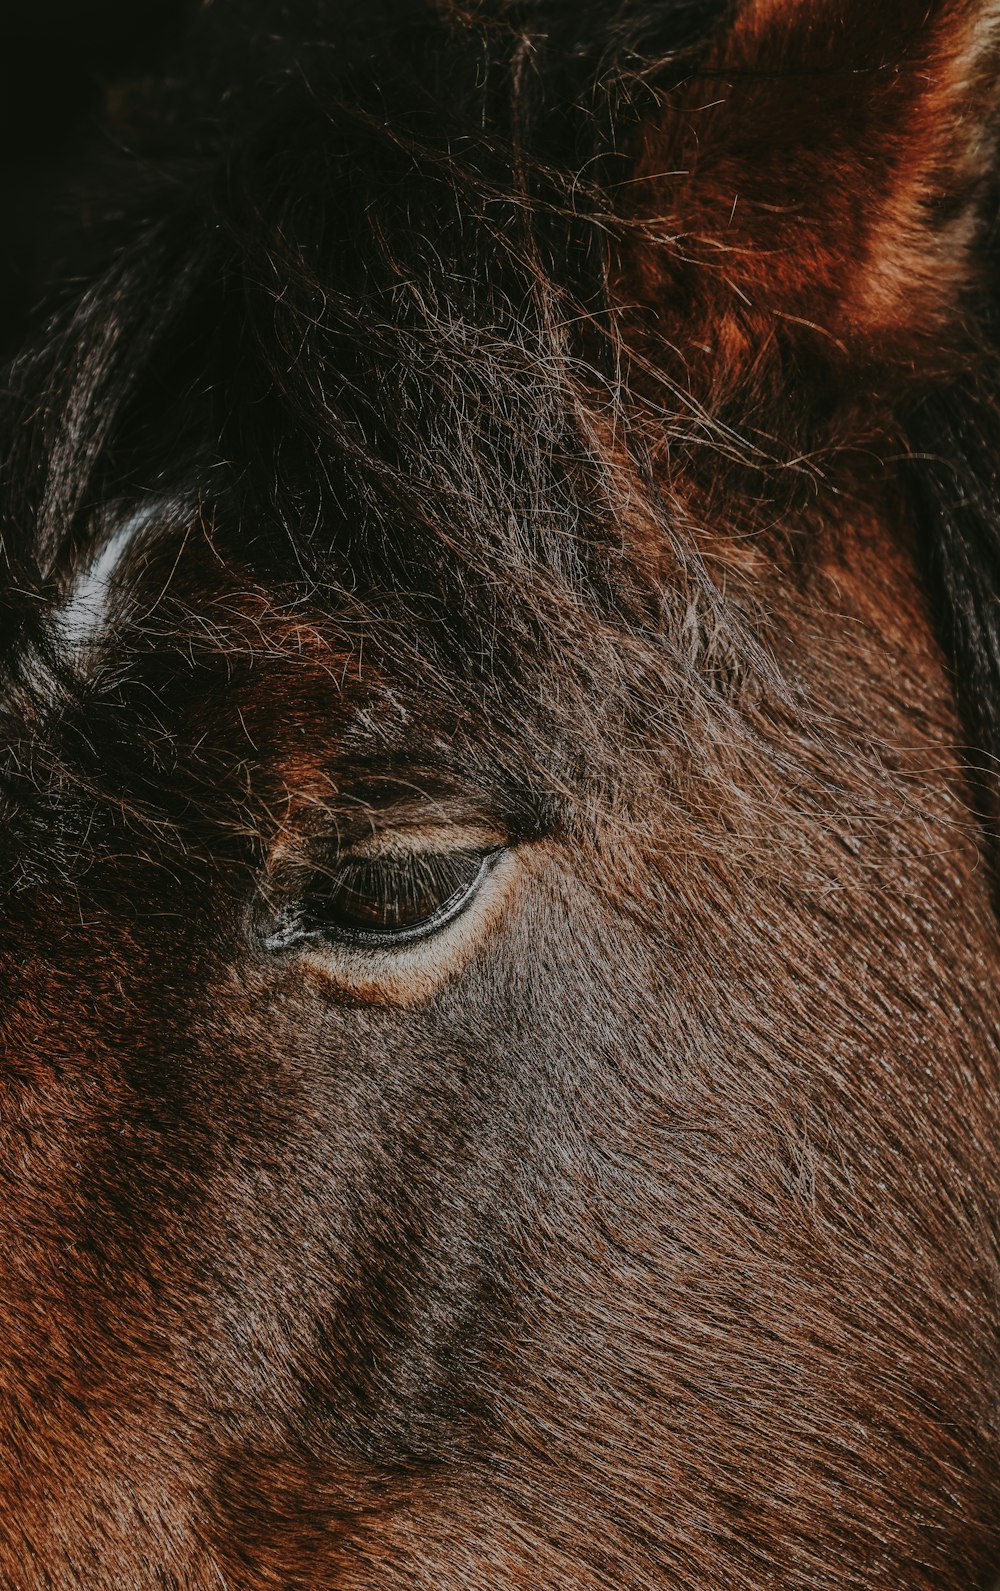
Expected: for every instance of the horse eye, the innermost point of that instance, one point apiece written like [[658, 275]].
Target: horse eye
[[384, 901]]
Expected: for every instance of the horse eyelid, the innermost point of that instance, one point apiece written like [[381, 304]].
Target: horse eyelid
[[314, 923]]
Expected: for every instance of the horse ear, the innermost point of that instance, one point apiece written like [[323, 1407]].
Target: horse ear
[[823, 175]]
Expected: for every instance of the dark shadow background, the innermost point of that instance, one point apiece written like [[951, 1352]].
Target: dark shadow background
[[56, 58]]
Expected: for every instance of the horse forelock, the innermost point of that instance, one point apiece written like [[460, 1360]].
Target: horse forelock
[[397, 406]]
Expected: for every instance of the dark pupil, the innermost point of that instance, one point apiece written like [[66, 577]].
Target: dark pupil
[[376, 899]]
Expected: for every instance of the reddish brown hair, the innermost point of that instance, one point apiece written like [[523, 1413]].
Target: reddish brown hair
[[573, 427]]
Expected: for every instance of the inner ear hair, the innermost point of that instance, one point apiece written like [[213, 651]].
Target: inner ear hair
[[824, 179]]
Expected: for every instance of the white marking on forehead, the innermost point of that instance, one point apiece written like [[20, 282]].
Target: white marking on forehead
[[83, 614]]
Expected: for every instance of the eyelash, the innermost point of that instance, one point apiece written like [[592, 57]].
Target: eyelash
[[382, 902]]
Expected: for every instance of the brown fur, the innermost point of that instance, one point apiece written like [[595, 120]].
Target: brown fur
[[818, 183], [653, 1241]]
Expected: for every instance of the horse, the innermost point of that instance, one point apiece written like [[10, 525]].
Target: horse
[[500, 702]]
